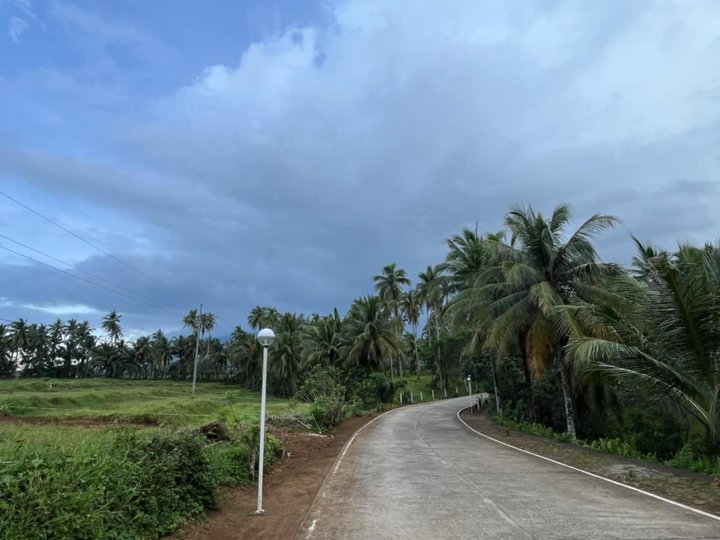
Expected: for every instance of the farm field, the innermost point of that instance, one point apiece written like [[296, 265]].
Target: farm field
[[151, 402]]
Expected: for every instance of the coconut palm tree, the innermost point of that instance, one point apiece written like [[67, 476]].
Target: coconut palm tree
[[322, 342], [191, 320], [542, 270], [389, 286], [665, 334], [111, 325], [19, 340], [7, 361], [411, 309], [372, 333]]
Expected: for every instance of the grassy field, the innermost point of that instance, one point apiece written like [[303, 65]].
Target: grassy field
[[167, 402]]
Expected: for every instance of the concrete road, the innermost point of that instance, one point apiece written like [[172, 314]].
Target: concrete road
[[417, 473]]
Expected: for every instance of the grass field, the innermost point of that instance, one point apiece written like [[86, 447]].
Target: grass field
[[167, 402]]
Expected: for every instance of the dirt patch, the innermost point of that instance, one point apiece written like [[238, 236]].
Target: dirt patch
[[697, 490], [289, 490]]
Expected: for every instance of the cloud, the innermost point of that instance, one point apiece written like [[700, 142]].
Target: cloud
[[17, 28], [64, 310], [326, 151]]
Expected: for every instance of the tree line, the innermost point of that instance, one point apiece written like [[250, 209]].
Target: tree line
[[531, 312]]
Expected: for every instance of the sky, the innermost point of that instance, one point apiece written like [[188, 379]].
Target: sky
[[281, 152]]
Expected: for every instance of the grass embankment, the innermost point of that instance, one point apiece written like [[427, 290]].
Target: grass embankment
[[168, 402], [60, 481]]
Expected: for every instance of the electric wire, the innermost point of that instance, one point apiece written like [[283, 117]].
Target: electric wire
[[178, 291], [91, 274], [84, 279]]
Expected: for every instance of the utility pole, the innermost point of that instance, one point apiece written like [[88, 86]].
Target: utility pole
[[197, 347]]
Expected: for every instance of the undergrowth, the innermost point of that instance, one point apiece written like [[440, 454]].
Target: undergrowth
[[688, 457], [116, 483]]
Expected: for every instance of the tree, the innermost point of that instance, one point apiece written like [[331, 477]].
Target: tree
[[411, 308], [541, 271], [111, 325], [389, 286], [663, 335], [7, 361], [322, 342], [371, 333]]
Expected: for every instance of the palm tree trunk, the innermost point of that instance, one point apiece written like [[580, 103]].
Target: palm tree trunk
[[417, 356], [495, 387], [528, 381], [567, 400]]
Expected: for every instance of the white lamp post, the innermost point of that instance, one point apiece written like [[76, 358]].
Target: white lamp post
[[469, 381], [265, 337]]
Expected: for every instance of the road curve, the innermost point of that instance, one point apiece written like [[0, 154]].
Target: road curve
[[417, 473]]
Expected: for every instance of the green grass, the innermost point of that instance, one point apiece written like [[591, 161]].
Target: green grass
[[416, 384], [168, 402]]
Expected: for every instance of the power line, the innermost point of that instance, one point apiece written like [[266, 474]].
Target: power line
[[92, 274], [178, 291], [82, 278]]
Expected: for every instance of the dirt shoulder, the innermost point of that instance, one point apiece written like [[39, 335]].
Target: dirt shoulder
[[696, 490], [289, 490]]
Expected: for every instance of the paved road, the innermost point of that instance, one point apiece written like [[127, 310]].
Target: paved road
[[417, 473]]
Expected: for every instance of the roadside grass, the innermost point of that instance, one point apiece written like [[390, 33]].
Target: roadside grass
[[416, 385], [117, 481], [59, 482], [166, 402]]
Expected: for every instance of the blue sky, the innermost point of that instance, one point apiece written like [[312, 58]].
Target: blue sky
[[282, 152]]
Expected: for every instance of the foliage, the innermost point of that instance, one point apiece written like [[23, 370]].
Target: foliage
[[117, 483], [327, 397]]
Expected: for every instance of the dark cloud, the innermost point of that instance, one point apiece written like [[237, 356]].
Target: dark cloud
[[327, 152]]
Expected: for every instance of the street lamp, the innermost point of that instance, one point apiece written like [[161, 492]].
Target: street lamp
[[469, 381], [265, 337]]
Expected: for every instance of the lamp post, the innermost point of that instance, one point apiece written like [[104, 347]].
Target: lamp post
[[265, 337], [469, 381]]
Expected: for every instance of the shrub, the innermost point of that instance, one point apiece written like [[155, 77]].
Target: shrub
[[117, 483]]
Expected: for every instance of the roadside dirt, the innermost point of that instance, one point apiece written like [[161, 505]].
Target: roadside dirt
[[696, 490], [289, 490]]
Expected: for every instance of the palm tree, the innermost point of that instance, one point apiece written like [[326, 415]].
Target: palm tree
[[322, 342], [19, 340], [663, 335], [541, 271], [389, 286], [469, 254], [7, 362], [411, 308], [84, 342], [160, 352], [111, 325], [372, 333], [432, 292], [191, 320]]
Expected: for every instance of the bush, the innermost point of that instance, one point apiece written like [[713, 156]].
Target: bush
[[329, 405], [115, 484]]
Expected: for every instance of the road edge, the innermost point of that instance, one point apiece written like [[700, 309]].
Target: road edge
[[588, 473]]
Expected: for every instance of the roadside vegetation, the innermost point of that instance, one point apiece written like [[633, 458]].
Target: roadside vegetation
[[569, 346]]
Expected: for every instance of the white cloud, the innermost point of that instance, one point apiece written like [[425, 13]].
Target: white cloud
[[17, 28], [63, 310]]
